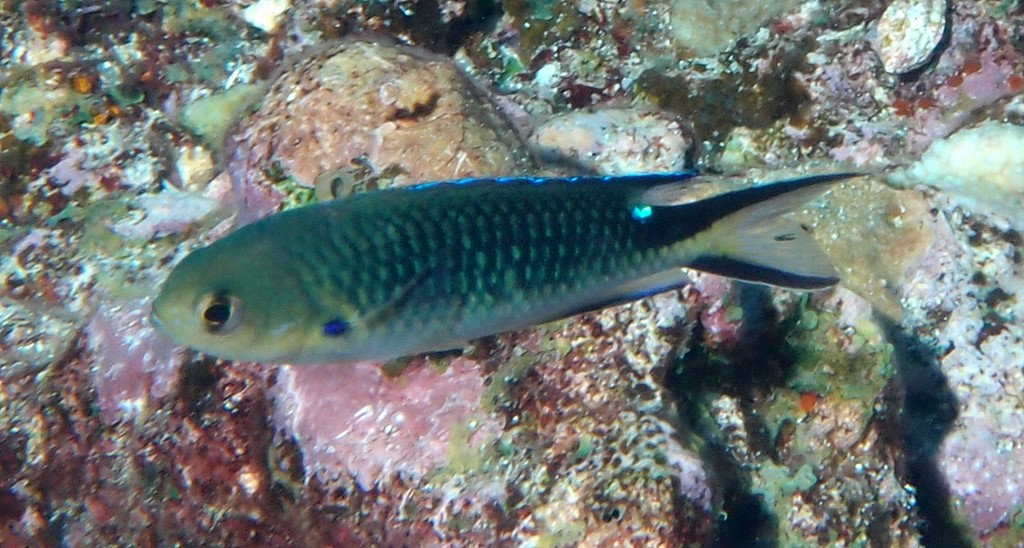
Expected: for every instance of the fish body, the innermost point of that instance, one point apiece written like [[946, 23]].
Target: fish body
[[402, 271]]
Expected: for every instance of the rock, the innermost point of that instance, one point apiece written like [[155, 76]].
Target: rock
[[617, 141], [981, 168], [266, 15], [368, 107], [909, 32]]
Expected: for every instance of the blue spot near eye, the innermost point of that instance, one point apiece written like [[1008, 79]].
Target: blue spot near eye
[[642, 212], [336, 327]]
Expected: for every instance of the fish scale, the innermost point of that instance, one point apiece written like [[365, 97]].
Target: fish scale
[[575, 239], [401, 271]]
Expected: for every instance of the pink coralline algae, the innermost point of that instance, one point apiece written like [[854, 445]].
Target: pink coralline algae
[[134, 365], [983, 343], [985, 468], [355, 420], [721, 322]]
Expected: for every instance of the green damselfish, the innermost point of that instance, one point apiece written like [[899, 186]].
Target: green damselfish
[[402, 271]]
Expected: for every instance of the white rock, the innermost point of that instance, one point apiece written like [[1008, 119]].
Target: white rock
[[616, 141], [908, 33], [195, 167], [982, 168], [266, 15]]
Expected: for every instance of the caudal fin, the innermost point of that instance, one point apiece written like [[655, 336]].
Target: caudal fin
[[756, 243]]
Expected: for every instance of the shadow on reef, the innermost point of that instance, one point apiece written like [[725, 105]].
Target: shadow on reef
[[765, 359], [929, 410]]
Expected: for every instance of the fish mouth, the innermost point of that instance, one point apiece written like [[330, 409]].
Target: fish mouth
[[155, 320]]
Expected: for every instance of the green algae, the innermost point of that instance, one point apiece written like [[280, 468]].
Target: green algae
[[19, 161], [46, 108], [95, 220], [542, 23], [9, 233], [779, 483], [497, 394], [583, 448], [511, 67], [562, 534], [803, 389], [854, 368], [210, 117], [740, 96], [463, 457], [146, 7], [1009, 536], [120, 257], [194, 17]]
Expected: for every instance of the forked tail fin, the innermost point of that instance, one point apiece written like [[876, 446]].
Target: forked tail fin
[[756, 243]]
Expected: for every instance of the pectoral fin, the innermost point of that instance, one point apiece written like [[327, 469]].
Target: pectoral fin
[[398, 298]]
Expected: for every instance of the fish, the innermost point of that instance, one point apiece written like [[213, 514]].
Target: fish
[[397, 272]]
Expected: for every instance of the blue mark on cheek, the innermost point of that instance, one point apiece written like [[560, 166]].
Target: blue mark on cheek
[[642, 212], [336, 327]]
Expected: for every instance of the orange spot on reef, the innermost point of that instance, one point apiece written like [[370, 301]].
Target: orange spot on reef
[[972, 66], [902, 107], [81, 83], [1016, 82], [955, 80], [808, 400], [105, 115]]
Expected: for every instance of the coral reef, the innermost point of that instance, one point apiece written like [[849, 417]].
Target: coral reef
[[709, 27], [885, 411]]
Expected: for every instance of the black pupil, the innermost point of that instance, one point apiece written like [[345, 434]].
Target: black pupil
[[217, 313]]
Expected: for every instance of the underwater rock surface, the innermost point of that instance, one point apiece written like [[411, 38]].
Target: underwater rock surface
[[885, 411], [362, 109]]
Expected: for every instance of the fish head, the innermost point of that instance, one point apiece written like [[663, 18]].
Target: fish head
[[234, 302]]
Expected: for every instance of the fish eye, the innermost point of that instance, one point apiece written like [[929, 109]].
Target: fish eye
[[220, 313]]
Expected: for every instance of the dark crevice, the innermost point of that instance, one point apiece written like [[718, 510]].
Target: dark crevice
[[762, 360], [421, 22]]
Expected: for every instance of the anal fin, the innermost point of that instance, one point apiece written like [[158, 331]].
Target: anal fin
[[623, 293]]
